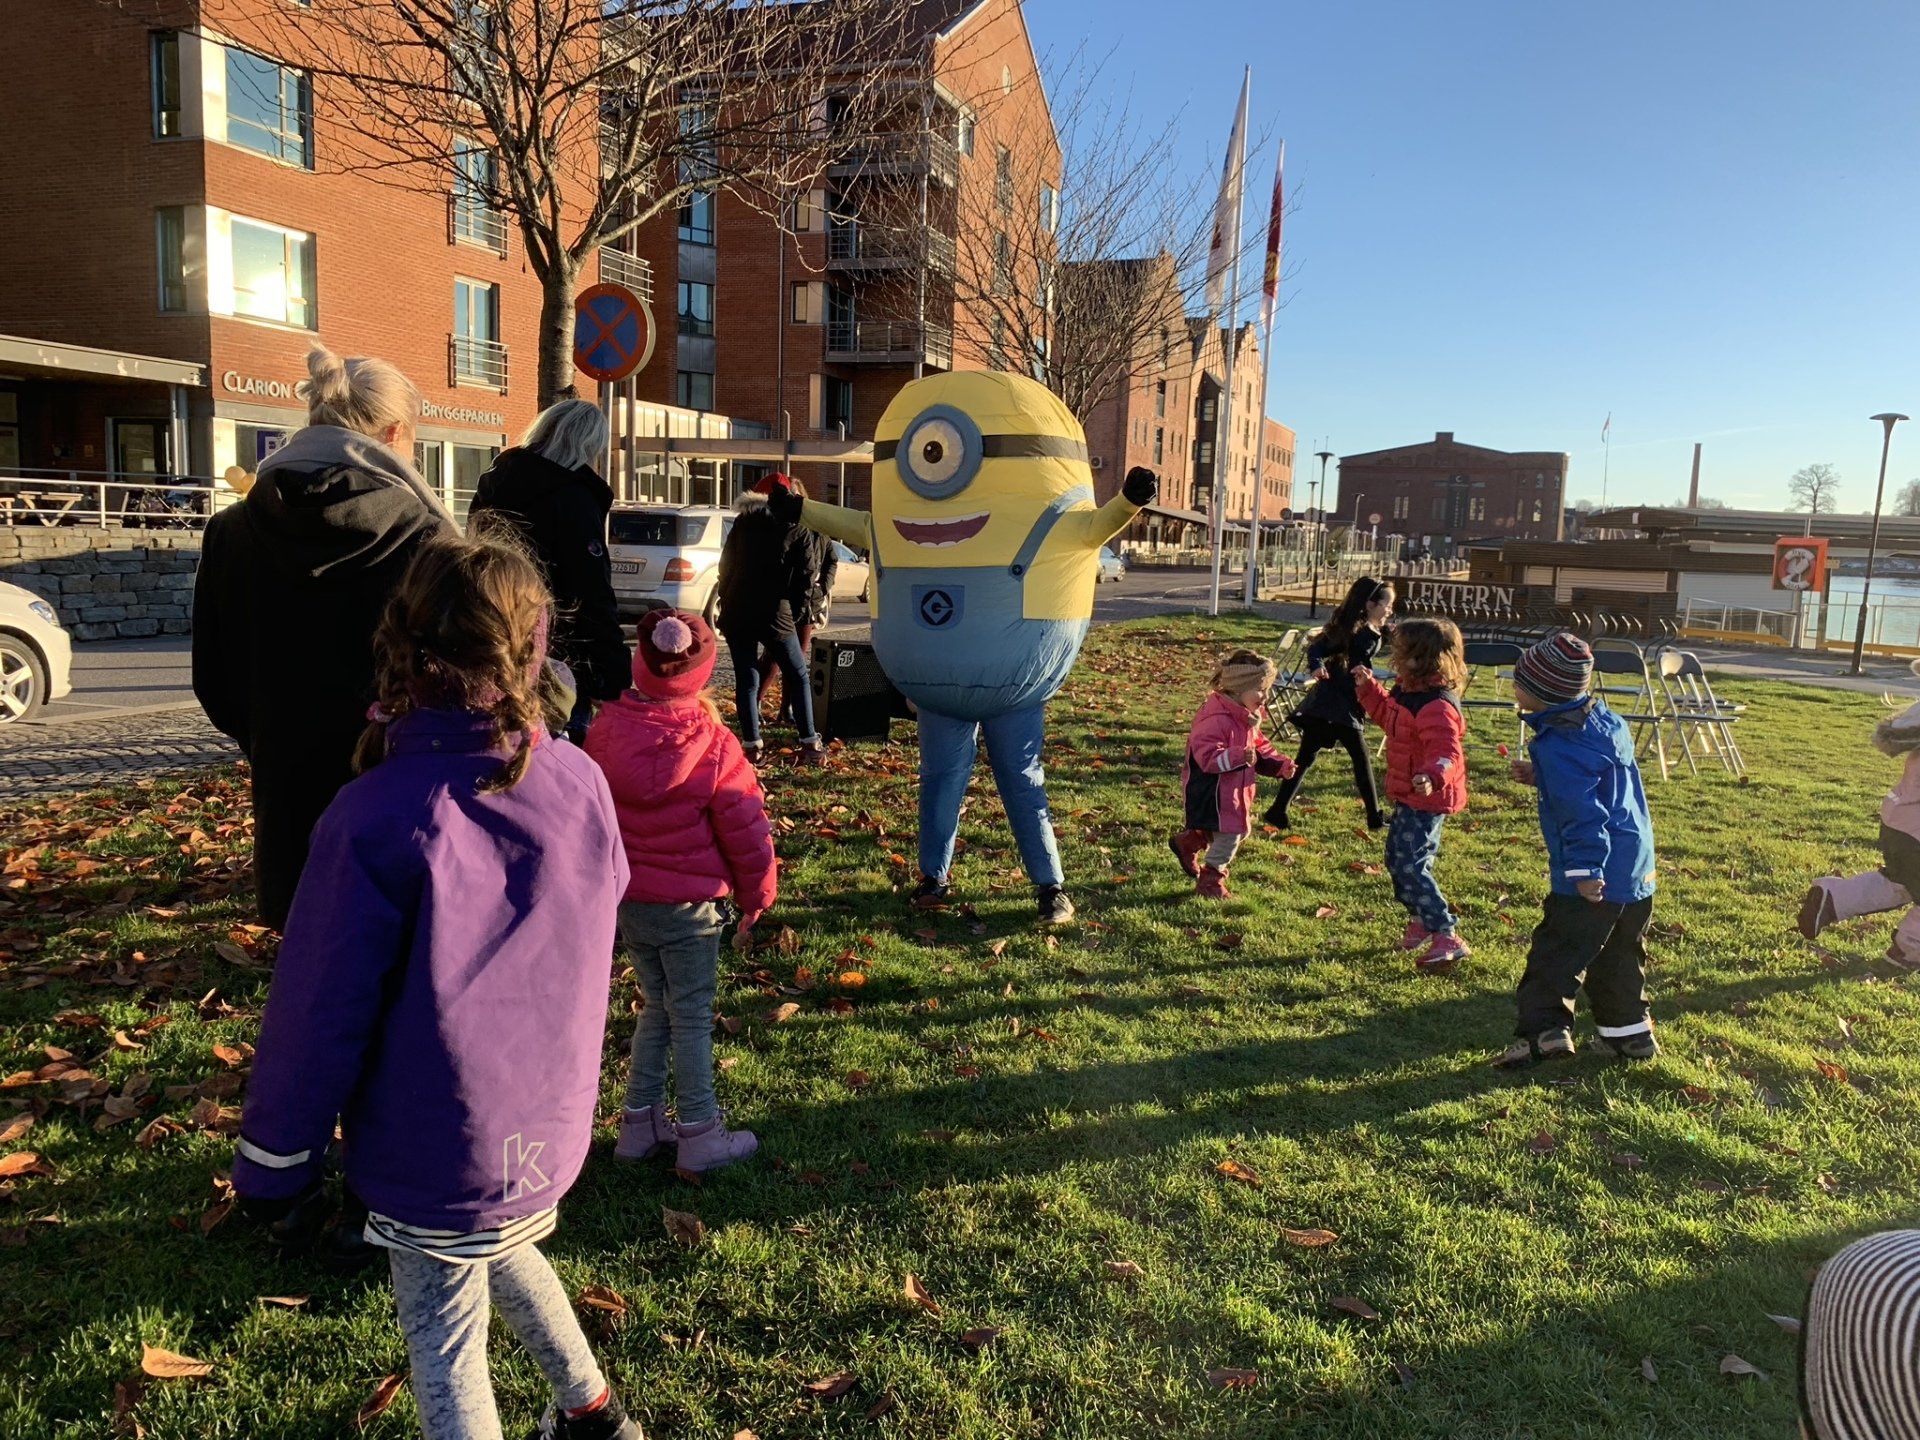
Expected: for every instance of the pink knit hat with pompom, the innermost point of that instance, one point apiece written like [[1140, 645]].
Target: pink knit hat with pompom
[[674, 655]]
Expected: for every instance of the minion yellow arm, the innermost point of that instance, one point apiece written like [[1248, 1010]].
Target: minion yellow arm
[[1099, 526], [850, 527]]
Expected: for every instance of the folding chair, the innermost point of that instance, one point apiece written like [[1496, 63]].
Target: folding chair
[[1491, 656], [1291, 680], [1692, 705], [1622, 657]]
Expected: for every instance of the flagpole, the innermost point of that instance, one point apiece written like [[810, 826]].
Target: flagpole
[[1269, 302], [1223, 415], [1606, 460]]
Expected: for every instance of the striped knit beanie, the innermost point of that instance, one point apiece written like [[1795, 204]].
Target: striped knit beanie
[[1557, 669], [1862, 1341]]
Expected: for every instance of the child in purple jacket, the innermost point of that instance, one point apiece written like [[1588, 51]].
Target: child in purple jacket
[[443, 992]]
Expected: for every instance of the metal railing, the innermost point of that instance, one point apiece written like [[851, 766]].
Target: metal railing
[[1776, 627], [619, 268], [133, 499], [888, 340], [472, 221], [472, 360], [905, 153], [878, 247]]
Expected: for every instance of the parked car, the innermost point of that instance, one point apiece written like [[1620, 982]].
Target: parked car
[[666, 556], [36, 658], [850, 581], [1112, 567]]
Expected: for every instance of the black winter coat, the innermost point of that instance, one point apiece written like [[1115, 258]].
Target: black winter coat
[[1334, 699], [292, 584], [562, 516], [774, 577]]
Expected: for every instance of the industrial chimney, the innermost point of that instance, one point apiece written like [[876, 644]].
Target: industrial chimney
[[1693, 490]]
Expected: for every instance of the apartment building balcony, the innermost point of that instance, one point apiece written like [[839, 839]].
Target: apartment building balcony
[[619, 268], [472, 360], [872, 247], [888, 342], [906, 154], [471, 222]]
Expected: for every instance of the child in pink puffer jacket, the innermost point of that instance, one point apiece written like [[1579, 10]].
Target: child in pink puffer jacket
[[1225, 751], [1896, 884], [694, 826]]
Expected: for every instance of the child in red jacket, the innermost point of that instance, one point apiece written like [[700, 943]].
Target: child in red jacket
[[1426, 776], [695, 829], [1225, 751]]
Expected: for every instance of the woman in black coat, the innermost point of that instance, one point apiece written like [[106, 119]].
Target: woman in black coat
[[1331, 713], [772, 584], [292, 583], [548, 492]]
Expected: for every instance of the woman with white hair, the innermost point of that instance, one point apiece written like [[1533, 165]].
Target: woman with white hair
[[547, 491]]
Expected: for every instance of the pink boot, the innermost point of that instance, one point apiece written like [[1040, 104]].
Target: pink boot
[[1414, 936], [712, 1145], [1442, 954], [1212, 884], [1187, 847], [643, 1132]]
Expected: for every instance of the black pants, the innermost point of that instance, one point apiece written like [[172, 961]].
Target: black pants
[[1318, 735], [1596, 944]]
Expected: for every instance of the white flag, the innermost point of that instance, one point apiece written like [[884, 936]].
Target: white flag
[[1226, 213]]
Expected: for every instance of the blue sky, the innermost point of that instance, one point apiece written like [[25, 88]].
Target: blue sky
[[1514, 218]]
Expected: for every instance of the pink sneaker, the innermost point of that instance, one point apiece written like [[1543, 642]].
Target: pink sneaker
[[1442, 954], [643, 1132], [1414, 936], [712, 1146]]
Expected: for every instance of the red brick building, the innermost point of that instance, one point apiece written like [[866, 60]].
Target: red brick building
[[1441, 494], [1276, 470], [182, 228], [818, 324]]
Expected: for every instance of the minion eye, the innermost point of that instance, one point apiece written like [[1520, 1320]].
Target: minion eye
[[940, 454]]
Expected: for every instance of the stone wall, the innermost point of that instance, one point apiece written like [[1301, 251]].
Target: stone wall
[[106, 583]]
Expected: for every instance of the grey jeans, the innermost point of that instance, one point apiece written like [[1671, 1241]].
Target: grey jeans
[[444, 1308], [1222, 848], [676, 955]]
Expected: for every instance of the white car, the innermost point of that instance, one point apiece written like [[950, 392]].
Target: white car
[[1112, 567], [666, 555], [36, 658], [851, 577]]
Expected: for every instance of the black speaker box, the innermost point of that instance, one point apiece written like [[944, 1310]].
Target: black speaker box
[[852, 697]]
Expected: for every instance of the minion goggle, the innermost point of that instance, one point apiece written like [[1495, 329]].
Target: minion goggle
[[941, 449]]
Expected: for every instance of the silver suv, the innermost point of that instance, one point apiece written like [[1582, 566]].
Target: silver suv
[[666, 555]]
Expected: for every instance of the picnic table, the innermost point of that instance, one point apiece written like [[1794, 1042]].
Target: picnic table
[[47, 506]]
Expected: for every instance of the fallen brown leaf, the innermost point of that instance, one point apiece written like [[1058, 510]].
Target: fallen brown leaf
[[1647, 1371], [917, 1293], [18, 1127], [1233, 1379], [1308, 1239], [1542, 1142], [1326, 912], [604, 1299], [885, 1405], [1354, 1306], [1234, 1170], [978, 1340], [1788, 1323], [214, 1215], [783, 1012], [166, 1365], [1123, 1270], [282, 1302], [376, 1404], [688, 1229], [1833, 1072], [831, 1388], [1403, 1372], [23, 1162], [1626, 1160], [858, 1079], [1734, 1365]]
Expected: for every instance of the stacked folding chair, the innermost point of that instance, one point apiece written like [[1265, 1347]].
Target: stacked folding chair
[[1693, 710]]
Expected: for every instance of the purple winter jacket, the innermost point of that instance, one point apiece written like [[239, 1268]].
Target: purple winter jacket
[[443, 985]]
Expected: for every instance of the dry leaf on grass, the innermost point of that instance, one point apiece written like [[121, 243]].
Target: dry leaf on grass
[[885, 1405], [1735, 1366], [745, 1435], [1404, 1372], [1354, 1306], [1647, 1371], [1326, 912], [18, 1127], [830, 1388], [23, 1162], [1788, 1323], [978, 1340], [858, 1079], [215, 1213], [683, 1226], [604, 1299], [282, 1302], [1232, 940], [166, 1365], [1542, 1142], [783, 1012], [1233, 1379], [1123, 1270], [1627, 1160], [917, 1293], [1234, 1170], [377, 1403], [1308, 1239], [1833, 1072]]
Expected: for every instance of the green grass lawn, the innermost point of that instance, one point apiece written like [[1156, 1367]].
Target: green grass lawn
[[1035, 1126]]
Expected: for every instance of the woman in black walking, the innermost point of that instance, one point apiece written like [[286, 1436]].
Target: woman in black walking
[[1331, 714]]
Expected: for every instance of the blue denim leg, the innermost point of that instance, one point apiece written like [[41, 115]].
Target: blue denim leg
[[1014, 743], [947, 748], [746, 687], [647, 1075], [677, 949], [1413, 844], [796, 684]]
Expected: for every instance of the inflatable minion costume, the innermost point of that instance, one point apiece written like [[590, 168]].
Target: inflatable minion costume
[[985, 546]]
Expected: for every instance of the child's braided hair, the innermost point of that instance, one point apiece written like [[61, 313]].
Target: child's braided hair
[[467, 629]]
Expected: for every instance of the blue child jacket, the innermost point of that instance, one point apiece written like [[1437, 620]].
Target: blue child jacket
[[1593, 806]]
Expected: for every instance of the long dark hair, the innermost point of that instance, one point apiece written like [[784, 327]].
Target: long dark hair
[[1352, 613]]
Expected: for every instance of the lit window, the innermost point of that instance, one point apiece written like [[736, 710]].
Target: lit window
[[696, 308], [273, 273], [476, 184], [1049, 209], [269, 108], [166, 84], [963, 134], [478, 356], [173, 258], [696, 218]]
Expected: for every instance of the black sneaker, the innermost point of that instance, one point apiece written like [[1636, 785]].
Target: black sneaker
[[931, 894], [1055, 907], [344, 1247], [1816, 911], [609, 1422], [1638, 1046], [1276, 816]]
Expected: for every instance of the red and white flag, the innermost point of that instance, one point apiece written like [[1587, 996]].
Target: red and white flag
[[1270, 283], [1226, 210]]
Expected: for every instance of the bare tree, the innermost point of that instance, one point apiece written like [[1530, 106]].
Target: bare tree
[[1908, 501], [1815, 489], [579, 121]]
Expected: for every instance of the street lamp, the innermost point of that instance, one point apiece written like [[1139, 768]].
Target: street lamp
[[1313, 600], [1354, 528], [1887, 422]]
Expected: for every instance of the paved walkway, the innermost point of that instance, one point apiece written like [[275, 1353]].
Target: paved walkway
[[47, 759]]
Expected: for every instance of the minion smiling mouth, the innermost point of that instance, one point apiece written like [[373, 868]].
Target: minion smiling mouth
[[936, 534]]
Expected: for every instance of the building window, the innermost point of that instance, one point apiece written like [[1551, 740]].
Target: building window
[[470, 462], [696, 308], [173, 258], [836, 403], [1049, 209], [696, 218], [269, 108], [1003, 178], [997, 345], [478, 356], [1209, 408], [1160, 398], [1476, 507], [695, 390], [1002, 265], [273, 273], [1402, 506], [1159, 447], [806, 212], [476, 183], [166, 84], [963, 132], [471, 55], [1536, 512], [1203, 456], [809, 300]]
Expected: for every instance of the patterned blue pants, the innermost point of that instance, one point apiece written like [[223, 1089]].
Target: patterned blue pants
[[1413, 844]]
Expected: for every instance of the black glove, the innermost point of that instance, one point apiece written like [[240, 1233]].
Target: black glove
[[1142, 486], [785, 506], [294, 1221]]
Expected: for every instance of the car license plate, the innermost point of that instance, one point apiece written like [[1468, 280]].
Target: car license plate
[[629, 567]]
